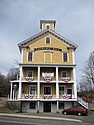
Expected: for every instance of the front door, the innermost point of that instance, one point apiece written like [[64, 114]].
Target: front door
[[47, 106]]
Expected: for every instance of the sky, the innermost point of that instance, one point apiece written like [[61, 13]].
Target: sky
[[20, 19]]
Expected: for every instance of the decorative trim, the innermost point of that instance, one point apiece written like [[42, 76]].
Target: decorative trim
[[29, 79], [66, 79], [67, 96], [48, 96], [47, 77], [28, 96], [37, 36]]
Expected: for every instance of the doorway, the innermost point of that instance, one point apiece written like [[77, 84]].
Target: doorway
[[47, 106]]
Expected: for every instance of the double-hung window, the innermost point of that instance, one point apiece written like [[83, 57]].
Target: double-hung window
[[65, 57], [30, 56], [32, 89]]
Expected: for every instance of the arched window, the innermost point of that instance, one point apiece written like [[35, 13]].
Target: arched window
[[48, 40], [48, 26]]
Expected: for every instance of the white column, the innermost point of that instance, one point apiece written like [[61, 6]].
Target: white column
[[38, 86], [13, 95], [73, 56], [20, 84], [22, 55], [11, 92], [75, 84], [57, 86], [38, 106], [57, 106]]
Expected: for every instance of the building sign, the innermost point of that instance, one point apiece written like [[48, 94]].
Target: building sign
[[47, 48]]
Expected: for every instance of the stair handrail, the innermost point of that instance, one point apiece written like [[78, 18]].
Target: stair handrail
[[81, 101]]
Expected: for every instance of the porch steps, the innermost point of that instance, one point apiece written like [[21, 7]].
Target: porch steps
[[82, 102]]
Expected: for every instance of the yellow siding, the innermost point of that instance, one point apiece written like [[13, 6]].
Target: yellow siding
[[50, 24], [25, 72], [69, 72], [25, 89], [39, 55]]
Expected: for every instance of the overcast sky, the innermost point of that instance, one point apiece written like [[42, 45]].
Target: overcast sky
[[20, 19]]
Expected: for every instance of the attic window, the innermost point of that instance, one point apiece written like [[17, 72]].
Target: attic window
[[48, 40]]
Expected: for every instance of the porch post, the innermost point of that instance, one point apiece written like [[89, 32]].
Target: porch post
[[11, 92], [73, 56], [75, 84], [57, 106], [20, 84], [38, 106], [38, 87], [57, 86]]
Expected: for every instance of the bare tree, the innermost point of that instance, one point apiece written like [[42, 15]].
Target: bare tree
[[87, 77]]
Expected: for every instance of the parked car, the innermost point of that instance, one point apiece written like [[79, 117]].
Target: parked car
[[75, 111]]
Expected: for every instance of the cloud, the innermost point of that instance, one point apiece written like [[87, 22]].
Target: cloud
[[19, 20]]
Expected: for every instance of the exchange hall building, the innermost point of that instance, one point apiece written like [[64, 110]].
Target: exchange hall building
[[47, 80]]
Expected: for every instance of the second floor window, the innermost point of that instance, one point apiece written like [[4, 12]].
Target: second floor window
[[30, 56], [65, 57]]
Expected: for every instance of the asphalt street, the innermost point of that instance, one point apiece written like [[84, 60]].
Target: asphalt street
[[32, 121]]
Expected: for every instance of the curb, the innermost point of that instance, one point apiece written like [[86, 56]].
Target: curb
[[40, 117]]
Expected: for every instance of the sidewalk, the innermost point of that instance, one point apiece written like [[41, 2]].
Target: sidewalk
[[47, 116]]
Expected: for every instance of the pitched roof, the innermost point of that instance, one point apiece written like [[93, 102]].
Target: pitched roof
[[43, 33]]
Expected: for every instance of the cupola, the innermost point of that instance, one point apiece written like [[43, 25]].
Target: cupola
[[47, 24]]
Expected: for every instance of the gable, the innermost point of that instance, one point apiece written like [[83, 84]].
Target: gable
[[44, 33], [41, 43]]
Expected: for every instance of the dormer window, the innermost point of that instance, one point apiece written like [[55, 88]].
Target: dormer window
[[48, 40]]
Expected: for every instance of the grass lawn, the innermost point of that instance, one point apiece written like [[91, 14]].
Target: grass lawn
[[6, 110]]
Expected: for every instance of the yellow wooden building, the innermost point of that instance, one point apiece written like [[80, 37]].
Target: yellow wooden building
[[47, 81]]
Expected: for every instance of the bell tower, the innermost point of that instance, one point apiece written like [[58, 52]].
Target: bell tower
[[47, 24]]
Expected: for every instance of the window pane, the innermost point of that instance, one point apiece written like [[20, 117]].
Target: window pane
[[32, 90], [32, 105], [47, 27], [61, 105], [47, 90], [30, 54], [47, 40], [69, 91], [65, 58]]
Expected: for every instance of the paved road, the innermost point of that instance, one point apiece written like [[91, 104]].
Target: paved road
[[26, 121]]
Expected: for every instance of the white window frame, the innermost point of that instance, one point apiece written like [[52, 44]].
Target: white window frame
[[32, 56], [29, 87], [30, 71], [45, 40], [67, 57]]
